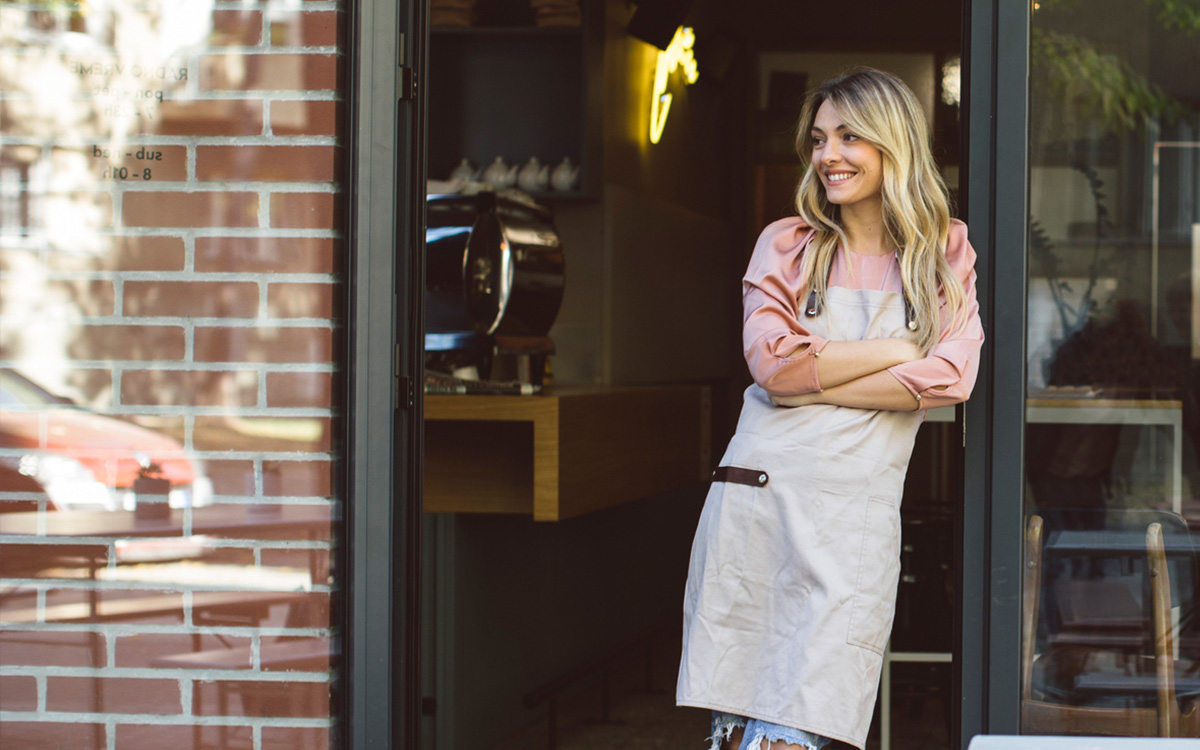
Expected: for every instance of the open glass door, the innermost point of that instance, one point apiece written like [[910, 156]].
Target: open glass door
[[1110, 635]]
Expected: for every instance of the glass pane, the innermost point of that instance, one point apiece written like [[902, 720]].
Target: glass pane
[[1112, 420], [169, 253]]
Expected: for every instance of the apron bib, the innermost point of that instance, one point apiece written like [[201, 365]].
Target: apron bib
[[791, 586]]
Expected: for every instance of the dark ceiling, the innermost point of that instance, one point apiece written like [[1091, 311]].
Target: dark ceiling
[[835, 25]]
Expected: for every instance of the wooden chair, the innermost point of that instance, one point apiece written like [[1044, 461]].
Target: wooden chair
[[1039, 716]]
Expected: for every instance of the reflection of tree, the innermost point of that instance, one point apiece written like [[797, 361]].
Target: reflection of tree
[[75, 84], [1087, 87], [1085, 101], [1093, 86], [1050, 264]]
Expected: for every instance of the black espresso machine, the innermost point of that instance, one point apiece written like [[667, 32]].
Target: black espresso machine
[[494, 284]]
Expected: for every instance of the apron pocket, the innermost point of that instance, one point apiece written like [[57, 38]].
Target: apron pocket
[[730, 533], [874, 604]]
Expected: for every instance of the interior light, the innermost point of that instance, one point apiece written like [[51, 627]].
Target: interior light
[[679, 54], [952, 81]]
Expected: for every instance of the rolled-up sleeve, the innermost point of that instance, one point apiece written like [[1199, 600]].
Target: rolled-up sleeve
[[946, 375], [780, 352]]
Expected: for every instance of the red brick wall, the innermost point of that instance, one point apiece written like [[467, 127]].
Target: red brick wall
[[171, 239]]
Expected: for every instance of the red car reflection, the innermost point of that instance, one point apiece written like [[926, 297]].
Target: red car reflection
[[83, 460]]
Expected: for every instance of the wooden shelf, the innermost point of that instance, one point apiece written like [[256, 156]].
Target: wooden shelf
[[518, 91], [565, 453]]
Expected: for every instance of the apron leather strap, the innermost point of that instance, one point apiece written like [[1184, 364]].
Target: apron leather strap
[[738, 475]]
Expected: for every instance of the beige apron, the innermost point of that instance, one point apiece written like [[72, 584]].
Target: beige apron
[[792, 585]]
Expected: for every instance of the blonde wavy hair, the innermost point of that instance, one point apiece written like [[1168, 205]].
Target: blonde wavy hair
[[879, 108]]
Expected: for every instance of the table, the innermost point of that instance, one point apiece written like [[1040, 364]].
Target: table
[[1111, 411], [92, 536], [566, 452]]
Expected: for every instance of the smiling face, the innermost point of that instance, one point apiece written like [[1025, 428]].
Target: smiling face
[[850, 168]]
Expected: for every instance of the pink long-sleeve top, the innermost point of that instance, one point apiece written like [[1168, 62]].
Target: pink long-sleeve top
[[773, 324]]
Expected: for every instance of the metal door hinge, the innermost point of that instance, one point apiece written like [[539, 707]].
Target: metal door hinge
[[406, 84], [409, 391], [404, 392]]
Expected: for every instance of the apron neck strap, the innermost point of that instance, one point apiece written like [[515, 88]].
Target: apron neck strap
[[813, 307]]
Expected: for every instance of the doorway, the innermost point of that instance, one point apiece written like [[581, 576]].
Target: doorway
[[653, 237]]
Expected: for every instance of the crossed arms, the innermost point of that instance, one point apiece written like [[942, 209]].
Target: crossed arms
[[854, 373]]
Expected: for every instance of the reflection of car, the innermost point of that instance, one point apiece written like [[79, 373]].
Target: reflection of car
[[84, 460]]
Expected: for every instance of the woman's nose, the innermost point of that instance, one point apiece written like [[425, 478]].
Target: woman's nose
[[830, 152]]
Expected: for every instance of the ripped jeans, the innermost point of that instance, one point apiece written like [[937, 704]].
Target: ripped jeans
[[757, 730]]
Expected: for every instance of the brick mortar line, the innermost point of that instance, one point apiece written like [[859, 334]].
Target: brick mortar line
[[198, 232], [189, 346], [174, 320], [189, 429], [180, 410], [108, 55], [200, 186], [229, 499], [186, 698], [268, 131], [188, 325], [264, 204], [176, 719], [189, 163], [152, 139], [264, 302], [118, 206], [201, 95], [217, 543], [197, 674], [262, 368], [266, 48], [149, 629], [67, 584], [305, 456], [277, 500], [118, 292], [189, 257], [116, 389], [252, 5], [268, 277], [307, 501], [218, 455]]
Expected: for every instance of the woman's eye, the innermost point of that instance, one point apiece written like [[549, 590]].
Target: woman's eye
[[818, 141], [850, 137]]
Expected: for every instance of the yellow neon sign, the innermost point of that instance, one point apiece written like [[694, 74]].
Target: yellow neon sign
[[678, 54]]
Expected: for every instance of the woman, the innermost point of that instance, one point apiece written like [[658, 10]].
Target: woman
[[858, 315]]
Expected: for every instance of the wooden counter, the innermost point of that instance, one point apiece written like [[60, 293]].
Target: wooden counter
[[564, 453]]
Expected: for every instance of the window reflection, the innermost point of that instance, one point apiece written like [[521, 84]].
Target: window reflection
[[170, 242], [1111, 638]]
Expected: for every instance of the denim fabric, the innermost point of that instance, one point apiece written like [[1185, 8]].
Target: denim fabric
[[757, 730]]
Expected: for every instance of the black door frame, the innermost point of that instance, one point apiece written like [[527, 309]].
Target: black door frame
[[381, 635], [385, 447], [989, 561]]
